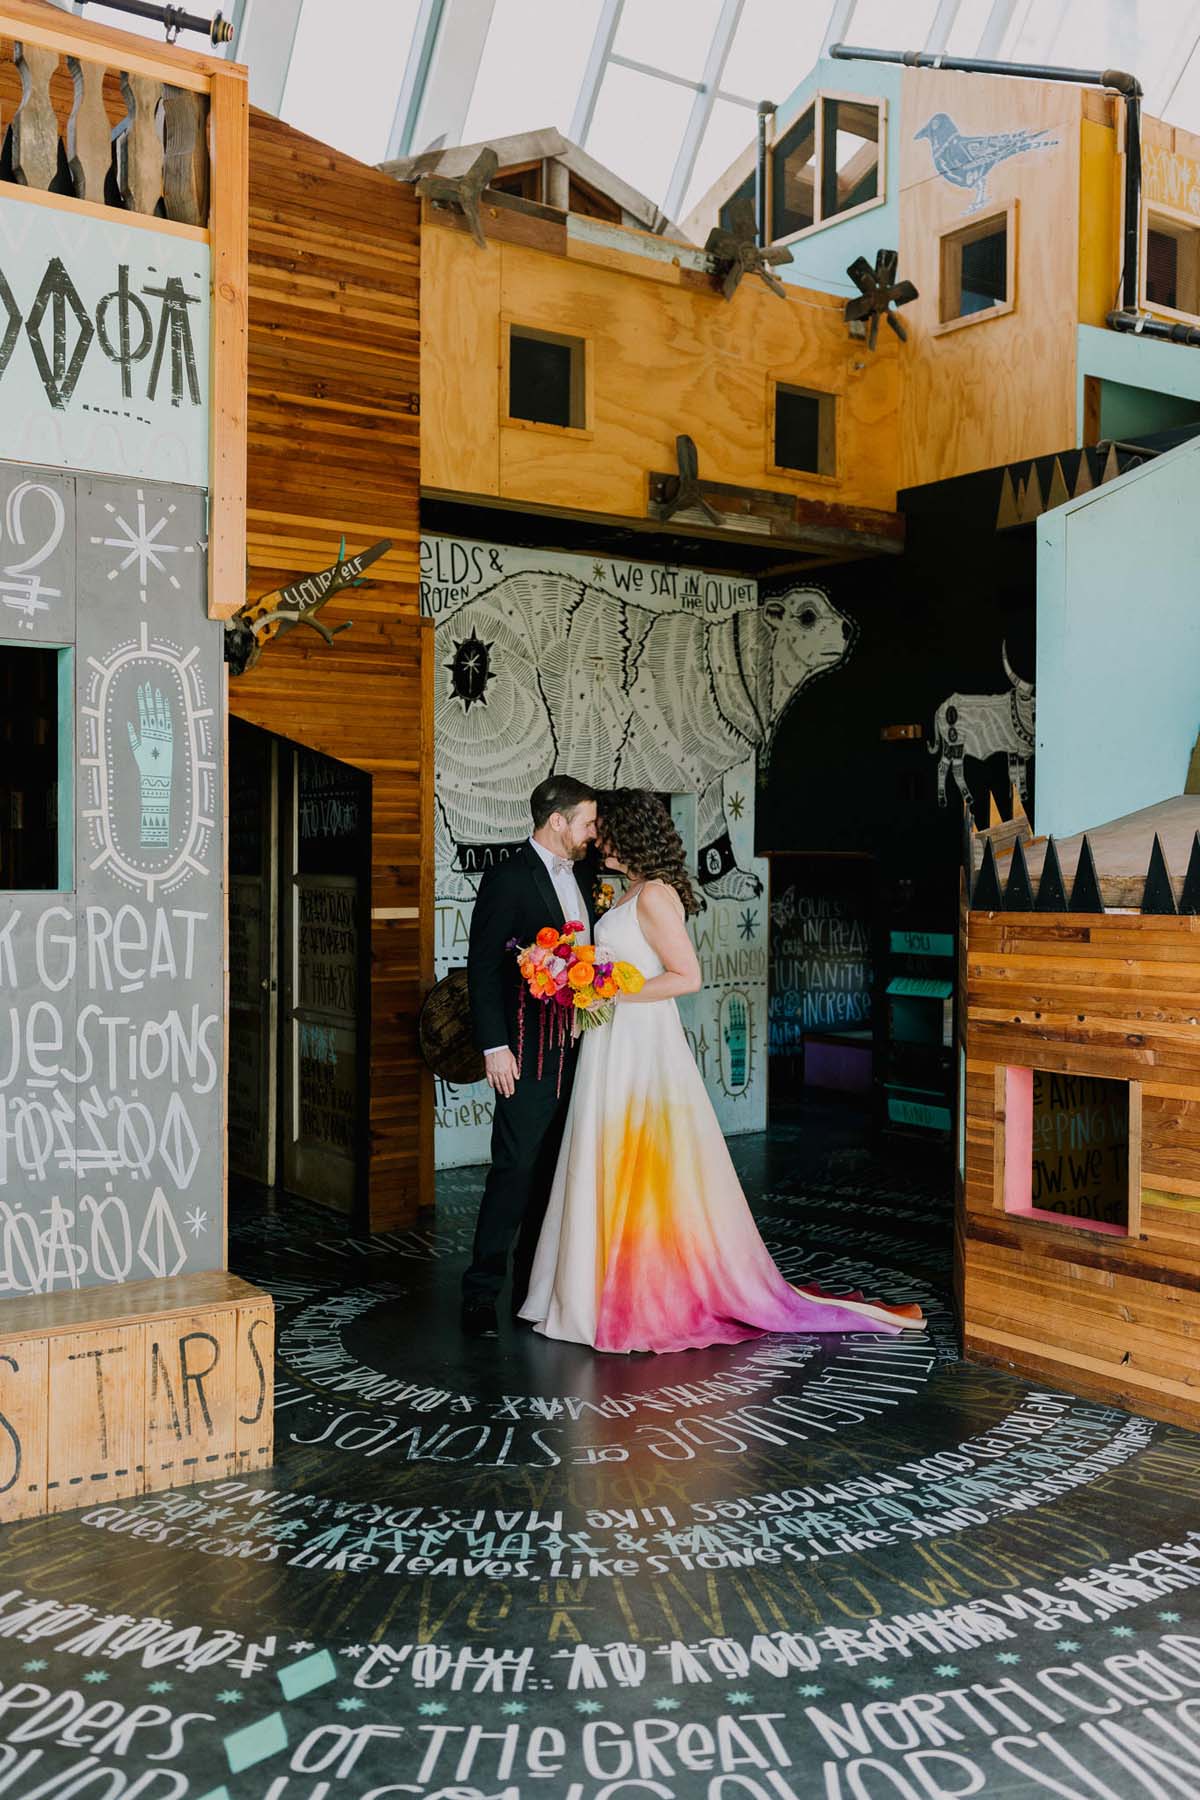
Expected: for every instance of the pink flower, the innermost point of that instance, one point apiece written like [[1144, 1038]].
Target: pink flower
[[573, 925], [556, 966], [536, 956]]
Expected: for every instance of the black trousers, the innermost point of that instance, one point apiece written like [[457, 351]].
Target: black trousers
[[526, 1137]]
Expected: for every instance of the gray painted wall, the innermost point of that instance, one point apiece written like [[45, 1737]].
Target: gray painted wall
[[111, 989]]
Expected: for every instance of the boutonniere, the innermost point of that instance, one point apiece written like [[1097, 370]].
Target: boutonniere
[[605, 895]]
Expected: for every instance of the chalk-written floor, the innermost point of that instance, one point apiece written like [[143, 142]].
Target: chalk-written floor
[[805, 1567]]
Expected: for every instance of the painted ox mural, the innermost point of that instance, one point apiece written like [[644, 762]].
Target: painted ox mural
[[543, 671], [983, 725]]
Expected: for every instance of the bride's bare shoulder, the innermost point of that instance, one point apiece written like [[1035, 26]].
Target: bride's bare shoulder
[[661, 901]]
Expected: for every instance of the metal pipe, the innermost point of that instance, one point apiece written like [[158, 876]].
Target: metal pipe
[[1132, 229], [762, 225], [172, 18], [1162, 329]]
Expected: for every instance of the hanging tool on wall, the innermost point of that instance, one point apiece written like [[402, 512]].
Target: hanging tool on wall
[[258, 622], [735, 252], [462, 193], [879, 292], [173, 19]]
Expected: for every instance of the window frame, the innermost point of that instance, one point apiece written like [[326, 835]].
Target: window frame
[[65, 797], [828, 478], [582, 377], [1177, 224], [817, 103], [1087, 1230], [971, 232]]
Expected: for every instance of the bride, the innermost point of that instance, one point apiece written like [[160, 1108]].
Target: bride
[[648, 1243]]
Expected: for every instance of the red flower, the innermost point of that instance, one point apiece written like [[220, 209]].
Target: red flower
[[573, 925], [564, 996]]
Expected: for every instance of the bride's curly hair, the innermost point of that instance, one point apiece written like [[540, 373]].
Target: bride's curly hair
[[634, 826]]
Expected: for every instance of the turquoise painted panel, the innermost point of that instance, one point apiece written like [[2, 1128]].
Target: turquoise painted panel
[[1118, 644], [922, 988], [916, 1112], [922, 943], [1135, 362], [820, 261]]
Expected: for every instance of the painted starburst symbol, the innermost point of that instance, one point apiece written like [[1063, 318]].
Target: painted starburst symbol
[[1007, 1656], [588, 1706], [810, 1691], [142, 544], [1067, 1644], [301, 1645], [598, 571], [1168, 1618], [161, 1687], [737, 805], [431, 1708], [666, 1704], [350, 1649], [351, 1703], [748, 923], [95, 1676], [739, 1697], [196, 1221], [946, 1670], [514, 1708], [34, 1665], [230, 1696], [470, 670], [880, 1681], [1122, 1630]]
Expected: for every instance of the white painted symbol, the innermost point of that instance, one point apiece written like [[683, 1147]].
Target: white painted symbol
[[142, 544], [21, 587], [196, 1221]]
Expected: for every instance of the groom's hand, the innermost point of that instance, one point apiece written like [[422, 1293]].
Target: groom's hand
[[501, 1071]]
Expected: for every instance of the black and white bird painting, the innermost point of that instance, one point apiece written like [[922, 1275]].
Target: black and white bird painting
[[967, 162]]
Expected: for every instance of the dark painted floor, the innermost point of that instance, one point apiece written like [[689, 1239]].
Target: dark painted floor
[[848, 1568]]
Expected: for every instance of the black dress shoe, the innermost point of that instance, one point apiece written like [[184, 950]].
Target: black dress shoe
[[479, 1319]]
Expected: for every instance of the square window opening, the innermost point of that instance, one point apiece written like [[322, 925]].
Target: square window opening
[[975, 275], [745, 191], [805, 430], [35, 767], [546, 378], [1070, 1150], [1173, 265]]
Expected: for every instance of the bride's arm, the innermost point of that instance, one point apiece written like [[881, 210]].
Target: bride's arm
[[661, 917]]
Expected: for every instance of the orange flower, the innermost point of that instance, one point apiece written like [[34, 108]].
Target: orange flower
[[606, 989], [581, 975], [586, 952], [547, 937]]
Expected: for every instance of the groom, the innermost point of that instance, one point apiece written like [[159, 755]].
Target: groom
[[536, 886]]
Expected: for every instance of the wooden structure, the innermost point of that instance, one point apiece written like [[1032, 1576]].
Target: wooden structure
[[1078, 1244], [111, 1390], [122, 1390], [662, 356], [102, 121], [334, 385]]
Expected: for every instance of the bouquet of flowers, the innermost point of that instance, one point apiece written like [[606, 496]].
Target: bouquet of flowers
[[576, 987]]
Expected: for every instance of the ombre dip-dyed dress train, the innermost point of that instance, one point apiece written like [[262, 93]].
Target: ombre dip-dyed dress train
[[648, 1243]]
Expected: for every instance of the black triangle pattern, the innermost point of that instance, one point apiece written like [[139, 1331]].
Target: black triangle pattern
[[987, 896], [1085, 892], [1158, 896], [1190, 899], [1051, 895], [1018, 895]]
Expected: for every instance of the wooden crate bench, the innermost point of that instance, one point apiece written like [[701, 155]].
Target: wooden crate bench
[[117, 1391]]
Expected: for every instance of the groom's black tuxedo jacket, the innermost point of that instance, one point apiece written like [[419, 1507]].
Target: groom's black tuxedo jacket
[[516, 898]]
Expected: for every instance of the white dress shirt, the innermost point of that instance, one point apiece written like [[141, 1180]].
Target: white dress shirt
[[562, 878]]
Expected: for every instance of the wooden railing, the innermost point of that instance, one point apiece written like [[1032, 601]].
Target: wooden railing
[[114, 136], [98, 118]]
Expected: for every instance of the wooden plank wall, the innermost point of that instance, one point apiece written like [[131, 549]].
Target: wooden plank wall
[[668, 355], [1113, 996], [334, 381], [1001, 389]]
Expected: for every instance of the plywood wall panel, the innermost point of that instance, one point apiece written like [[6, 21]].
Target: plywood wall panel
[[1004, 388], [334, 448]]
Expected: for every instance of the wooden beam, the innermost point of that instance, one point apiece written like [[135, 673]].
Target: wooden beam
[[229, 125], [35, 23]]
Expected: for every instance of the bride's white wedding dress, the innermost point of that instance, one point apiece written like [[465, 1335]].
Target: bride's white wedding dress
[[648, 1243]]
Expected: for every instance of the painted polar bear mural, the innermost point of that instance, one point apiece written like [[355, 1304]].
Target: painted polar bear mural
[[543, 671]]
